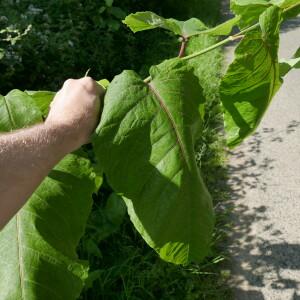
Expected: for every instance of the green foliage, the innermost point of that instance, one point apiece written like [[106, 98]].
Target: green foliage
[[38, 246], [127, 267], [255, 75], [104, 83], [249, 10], [146, 20], [252, 79], [69, 37], [150, 130], [284, 3], [129, 270], [42, 99], [66, 39], [105, 219], [224, 28], [10, 36]]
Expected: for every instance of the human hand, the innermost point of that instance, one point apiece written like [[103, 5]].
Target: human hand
[[75, 111]]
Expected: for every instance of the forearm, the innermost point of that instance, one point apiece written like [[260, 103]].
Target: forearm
[[26, 157]]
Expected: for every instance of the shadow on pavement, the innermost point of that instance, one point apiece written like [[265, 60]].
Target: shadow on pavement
[[254, 257], [290, 25]]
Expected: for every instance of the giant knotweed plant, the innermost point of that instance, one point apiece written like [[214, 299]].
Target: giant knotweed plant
[[145, 145]]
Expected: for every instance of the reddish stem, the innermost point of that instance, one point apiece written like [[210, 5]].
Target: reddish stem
[[183, 46]]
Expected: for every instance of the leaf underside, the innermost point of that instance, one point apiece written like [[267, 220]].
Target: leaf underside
[[145, 143], [249, 10], [38, 246], [148, 20], [252, 79]]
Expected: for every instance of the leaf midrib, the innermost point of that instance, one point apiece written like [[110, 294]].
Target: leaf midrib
[[20, 257], [172, 121], [11, 120], [18, 231]]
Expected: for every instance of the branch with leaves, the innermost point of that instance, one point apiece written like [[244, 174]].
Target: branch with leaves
[[145, 146]]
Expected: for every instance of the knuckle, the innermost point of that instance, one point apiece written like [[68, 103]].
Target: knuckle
[[87, 79], [89, 84], [68, 82]]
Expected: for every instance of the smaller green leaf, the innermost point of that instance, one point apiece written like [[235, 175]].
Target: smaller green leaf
[[286, 65], [191, 27], [14, 113], [42, 99], [148, 20], [224, 28], [104, 83], [252, 79]]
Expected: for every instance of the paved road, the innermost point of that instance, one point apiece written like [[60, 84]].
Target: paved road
[[265, 182]]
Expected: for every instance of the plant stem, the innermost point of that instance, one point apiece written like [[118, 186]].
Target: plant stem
[[232, 37], [229, 39], [217, 45], [223, 42], [183, 46], [148, 79], [247, 29]]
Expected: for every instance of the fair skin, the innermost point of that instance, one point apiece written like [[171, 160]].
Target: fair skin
[[28, 155]]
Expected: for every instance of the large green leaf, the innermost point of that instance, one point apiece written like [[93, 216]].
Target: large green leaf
[[38, 246], [291, 7], [285, 3], [249, 10], [224, 28], [148, 20], [145, 143], [252, 79]]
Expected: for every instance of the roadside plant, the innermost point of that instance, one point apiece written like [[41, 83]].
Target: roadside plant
[[145, 146]]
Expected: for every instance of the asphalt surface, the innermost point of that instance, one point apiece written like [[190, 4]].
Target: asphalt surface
[[265, 183]]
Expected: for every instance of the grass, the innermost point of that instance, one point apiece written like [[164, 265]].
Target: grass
[[123, 266]]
